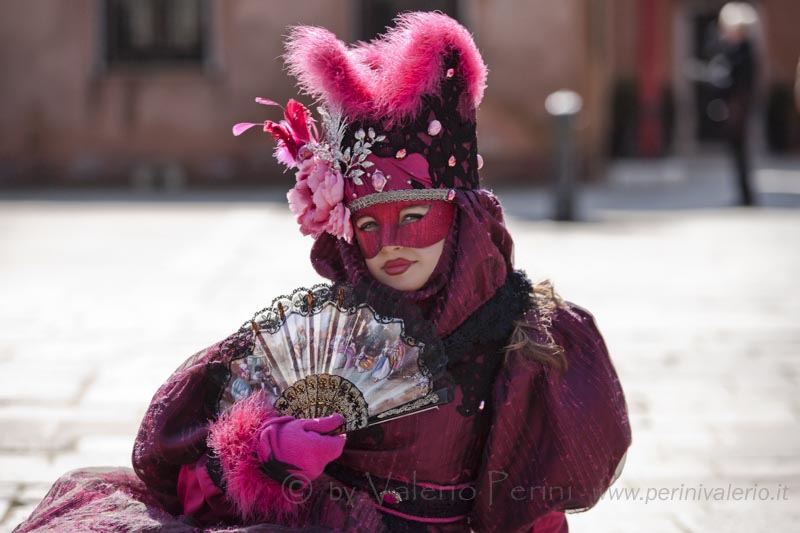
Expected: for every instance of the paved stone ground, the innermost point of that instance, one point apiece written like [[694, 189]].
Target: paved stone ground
[[103, 295]]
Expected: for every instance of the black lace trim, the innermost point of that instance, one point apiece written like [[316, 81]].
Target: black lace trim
[[217, 373], [236, 344], [475, 348], [457, 138]]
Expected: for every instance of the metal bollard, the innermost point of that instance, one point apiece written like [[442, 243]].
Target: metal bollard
[[564, 106]]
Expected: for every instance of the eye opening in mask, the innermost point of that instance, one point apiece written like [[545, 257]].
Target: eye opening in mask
[[409, 215], [366, 223]]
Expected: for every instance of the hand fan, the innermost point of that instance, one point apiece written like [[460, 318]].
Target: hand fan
[[321, 351]]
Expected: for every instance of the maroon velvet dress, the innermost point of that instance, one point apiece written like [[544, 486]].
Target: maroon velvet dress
[[540, 442], [519, 444]]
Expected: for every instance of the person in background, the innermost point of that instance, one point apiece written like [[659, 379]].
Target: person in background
[[735, 68], [797, 88]]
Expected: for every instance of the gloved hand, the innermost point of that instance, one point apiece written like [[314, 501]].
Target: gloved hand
[[290, 446]]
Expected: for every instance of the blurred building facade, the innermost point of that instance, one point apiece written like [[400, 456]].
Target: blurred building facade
[[144, 92], [657, 103]]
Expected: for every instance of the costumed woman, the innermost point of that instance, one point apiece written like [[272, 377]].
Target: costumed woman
[[536, 424]]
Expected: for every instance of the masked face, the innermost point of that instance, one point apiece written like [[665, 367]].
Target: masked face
[[403, 241]]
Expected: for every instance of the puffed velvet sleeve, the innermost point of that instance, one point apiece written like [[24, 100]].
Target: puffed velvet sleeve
[[182, 446], [557, 438], [181, 435], [175, 427]]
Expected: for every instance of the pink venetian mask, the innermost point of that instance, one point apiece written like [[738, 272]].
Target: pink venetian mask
[[411, 232]]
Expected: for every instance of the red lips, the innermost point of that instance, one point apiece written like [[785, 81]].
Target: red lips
[[395, 267]]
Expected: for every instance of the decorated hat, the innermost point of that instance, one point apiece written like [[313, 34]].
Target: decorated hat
[[396, 119]]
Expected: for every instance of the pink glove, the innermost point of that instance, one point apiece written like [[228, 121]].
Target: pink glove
[[297, 447], [259, 450]]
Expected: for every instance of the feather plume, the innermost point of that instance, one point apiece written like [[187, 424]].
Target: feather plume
[[324, 69], [388, 76], [234, 439]]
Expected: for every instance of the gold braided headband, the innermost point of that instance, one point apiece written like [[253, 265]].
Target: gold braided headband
[[400, 196]]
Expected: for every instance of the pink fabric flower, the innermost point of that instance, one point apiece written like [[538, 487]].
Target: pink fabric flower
[[300, 202], [297, 120], [291, 134], [339, 223], [317, 200], [328, 193]]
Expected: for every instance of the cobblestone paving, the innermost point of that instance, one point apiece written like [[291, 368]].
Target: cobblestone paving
[[104, 295]]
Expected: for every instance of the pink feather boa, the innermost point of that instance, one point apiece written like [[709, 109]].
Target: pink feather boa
[[388, 76], [234, 439]]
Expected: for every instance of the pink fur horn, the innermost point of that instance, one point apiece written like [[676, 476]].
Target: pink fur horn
[[325, 69], [388, 76]]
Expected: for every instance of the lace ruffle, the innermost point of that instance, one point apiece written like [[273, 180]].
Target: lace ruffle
[[475, 349]]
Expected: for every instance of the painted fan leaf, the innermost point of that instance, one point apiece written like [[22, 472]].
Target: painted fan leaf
[[320, 351]]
